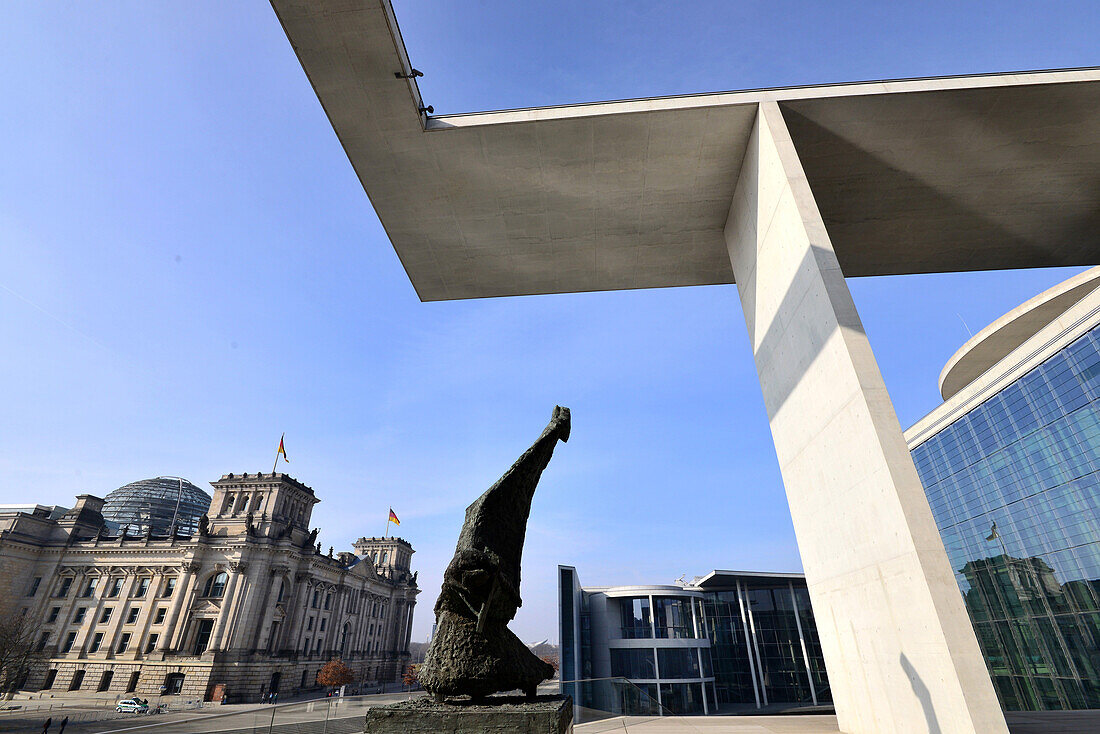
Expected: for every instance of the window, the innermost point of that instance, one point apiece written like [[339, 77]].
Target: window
[[35, 583], [79, 616], [143, 587], [63, 590], [328, 601], [54, 611], [323, 621], [43, 640], [89, 588], [382, 611], [202, 635], [97, 642], [106, 616], [274, 640], [51, 674], [152, 643], [132, 615], [124, 642], [282, 591], [105, 680], [306, 648], [69, 642], [673, 618], [115, 588], [634, 613], [316, 599], [169, 587], [635, 663], [678, 662], [215, 585], [173, 684], [159, 618], [78, 678], [132, 685]]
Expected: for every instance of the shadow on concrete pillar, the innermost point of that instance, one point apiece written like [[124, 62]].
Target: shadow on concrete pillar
[[887, 606]]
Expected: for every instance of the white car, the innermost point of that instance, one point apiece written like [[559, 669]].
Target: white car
[[131, 705]]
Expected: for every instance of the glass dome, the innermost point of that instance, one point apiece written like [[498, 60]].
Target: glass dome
[[155, 503]]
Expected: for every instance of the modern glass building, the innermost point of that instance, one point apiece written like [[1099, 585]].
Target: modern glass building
[[1011, 466], [153, 505], [726, 641]]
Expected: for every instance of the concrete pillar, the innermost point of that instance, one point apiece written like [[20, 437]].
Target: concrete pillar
[[182, 591], [900, 651]]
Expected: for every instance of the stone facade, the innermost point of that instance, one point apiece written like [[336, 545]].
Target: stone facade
[[247, 605]]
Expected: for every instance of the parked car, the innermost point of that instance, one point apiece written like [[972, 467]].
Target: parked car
[[132, 706]]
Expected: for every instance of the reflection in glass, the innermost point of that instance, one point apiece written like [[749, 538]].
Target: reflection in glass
[[633, 663], [635, 618], [673, 618], [1014, 486]]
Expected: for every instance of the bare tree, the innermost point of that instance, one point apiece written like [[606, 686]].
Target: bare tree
[[19, 647]]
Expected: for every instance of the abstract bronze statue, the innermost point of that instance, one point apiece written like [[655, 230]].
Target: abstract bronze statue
[[473, 652]]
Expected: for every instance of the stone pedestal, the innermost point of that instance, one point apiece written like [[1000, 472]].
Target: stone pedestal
[[497, 715]]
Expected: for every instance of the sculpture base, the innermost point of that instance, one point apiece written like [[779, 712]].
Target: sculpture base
[[496, 715]]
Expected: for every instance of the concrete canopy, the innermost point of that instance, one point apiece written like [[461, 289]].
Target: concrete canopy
[[934, 175]]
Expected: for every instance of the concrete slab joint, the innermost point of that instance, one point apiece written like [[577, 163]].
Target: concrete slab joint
[[901, 653]]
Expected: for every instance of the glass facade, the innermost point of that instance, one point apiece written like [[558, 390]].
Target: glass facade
[[729, 642], [1014, 486], [764, 643]]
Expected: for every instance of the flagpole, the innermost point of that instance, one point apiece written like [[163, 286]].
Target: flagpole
[[277, 454]]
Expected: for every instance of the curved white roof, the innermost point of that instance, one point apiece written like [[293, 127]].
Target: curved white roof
[[996, 341]]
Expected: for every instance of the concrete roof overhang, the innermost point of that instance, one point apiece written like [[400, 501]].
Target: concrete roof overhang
[[916, 176], [996, 341]]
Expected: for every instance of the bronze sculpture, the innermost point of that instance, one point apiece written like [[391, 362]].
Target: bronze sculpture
[[473, 652]]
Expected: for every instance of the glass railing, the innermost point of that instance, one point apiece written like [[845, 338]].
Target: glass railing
[[675, 632], [635, 632], [617, 704]]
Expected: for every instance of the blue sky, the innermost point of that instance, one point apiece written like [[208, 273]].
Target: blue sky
[[189, 267]]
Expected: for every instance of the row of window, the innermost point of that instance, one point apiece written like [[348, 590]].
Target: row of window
[[113, 587], [105, 615], [672, 618], [172, 684]]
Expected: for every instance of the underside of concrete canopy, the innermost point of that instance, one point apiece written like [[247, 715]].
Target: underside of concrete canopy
[[788, 191], [920, 176]]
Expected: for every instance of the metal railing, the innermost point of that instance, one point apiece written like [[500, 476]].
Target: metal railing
[[333, 715]]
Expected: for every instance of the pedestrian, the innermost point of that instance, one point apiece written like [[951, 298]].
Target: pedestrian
[[274, 697], [63, 723], [46, 726]]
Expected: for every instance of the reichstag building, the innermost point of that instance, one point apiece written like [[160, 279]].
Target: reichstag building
[[161, 589]]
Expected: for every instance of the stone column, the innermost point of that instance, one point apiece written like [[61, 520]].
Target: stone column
[[300, 611], [901, 653], [244, 602], [91, 619], [267, 606], [145, 618], [114, 631], [408, 625], [182, 591], [227, 606]]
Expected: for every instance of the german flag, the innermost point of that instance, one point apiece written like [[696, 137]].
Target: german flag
[[393, 517]]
